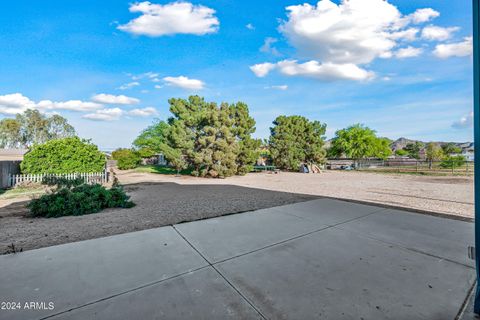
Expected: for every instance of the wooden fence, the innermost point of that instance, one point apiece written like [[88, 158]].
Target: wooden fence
[[90, 178], [8, 168]]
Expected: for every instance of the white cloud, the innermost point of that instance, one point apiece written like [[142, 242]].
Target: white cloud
[[112, 99], [315, 69], [172, 18], [338, 38], [72, 105], [438, 33], [409, 34], [105, 115], [458, 49], [464, 122], [282, 87], [423, 15], [267, 46], [262, 69], [324, 71], [408, 52], [149, 74], [11, 104], [250, 26], [355, 31], [157, 86], [130, 85], [185, 82], [144, 112]]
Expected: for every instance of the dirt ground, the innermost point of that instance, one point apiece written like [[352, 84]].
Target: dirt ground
[[157, 204], [452, 195], [166, 199]]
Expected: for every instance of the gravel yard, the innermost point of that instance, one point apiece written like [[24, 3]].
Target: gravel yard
[[158, 204], [166, 199], [451, 195]]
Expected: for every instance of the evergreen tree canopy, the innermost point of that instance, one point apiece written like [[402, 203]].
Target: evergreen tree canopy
[[214, 140], [248, 147], [295, 140]]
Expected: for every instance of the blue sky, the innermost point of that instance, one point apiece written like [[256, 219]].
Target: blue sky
[[403, 68]]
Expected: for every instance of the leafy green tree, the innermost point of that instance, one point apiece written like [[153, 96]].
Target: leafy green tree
[[433, 153], [382, 148], [154, 137], [61, 156], [413, 149], [451, 148], [10, 133], [146, 152], [32, 127], [401, 152], [126, 158], [295, 140], [58, 128], [359, 142]]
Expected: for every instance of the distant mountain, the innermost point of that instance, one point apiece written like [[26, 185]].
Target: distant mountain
[[402, 143]]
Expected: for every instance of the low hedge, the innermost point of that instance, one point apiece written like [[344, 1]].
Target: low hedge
[[79, 200]]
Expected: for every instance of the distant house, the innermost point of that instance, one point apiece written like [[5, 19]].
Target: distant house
[[468, 152], [12, 154], [158, 159]]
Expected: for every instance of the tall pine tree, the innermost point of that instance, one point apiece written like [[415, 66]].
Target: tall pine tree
[[214, 140], [248, 147], [295, 140]]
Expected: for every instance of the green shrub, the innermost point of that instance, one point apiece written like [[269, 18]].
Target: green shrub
[[453, 162], [126, 158], [79, 200], [68, 155], [61, 182]]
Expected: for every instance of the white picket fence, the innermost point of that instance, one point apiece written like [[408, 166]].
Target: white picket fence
[[90, 178]]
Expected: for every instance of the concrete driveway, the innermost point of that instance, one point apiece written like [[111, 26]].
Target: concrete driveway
[[320, 259]]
